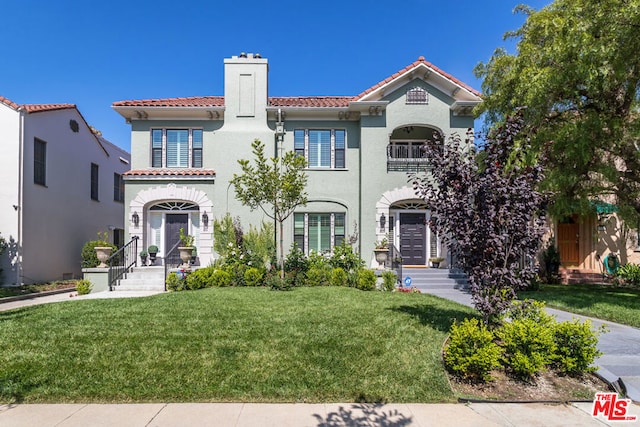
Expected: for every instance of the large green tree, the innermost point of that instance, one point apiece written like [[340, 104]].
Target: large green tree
[[575, 75], [274, 185]]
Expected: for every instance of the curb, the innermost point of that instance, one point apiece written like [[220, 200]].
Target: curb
[[35, 295]]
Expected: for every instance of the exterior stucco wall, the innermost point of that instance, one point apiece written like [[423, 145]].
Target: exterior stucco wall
[[9, 190], [358, 190], [61, 216]]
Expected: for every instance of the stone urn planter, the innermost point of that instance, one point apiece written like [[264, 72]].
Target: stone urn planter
[[185, 255], [435, 262], [153, 251], [103, 253], [381, 256]]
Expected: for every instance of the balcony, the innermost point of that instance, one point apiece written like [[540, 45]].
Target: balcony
[[407, 157]]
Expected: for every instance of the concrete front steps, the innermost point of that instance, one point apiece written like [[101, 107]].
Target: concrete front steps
[[142, 279], [434, 278]]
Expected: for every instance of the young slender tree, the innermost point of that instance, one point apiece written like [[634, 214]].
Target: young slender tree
[[488, 211], [274, 185]]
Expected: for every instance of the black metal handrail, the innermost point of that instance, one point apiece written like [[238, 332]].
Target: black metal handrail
[[121, 261], [170, 260], [395, 261]]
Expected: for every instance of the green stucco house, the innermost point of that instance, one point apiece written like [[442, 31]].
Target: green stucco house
[[359, 148]]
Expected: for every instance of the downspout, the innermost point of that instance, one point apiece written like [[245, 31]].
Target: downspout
[[19, 272], [275, 225], [360, 190]]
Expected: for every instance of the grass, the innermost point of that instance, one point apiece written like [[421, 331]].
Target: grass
[[320, 344], [606, 302]]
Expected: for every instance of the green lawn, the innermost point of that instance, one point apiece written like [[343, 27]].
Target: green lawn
[[322, 344], [607, 302]]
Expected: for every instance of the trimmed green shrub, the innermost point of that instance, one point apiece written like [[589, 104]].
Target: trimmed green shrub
[[366, 280], [221, 278], [200, 279], [630, 273], [528, 346], [338, 277], [576, 347], [175, 282], [318, 275], [253, 276], [471, 352], [83, 287], [530, 309], [389, 280]]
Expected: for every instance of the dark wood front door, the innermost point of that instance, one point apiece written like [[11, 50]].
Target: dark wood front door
[[412, 238], [173, 223]]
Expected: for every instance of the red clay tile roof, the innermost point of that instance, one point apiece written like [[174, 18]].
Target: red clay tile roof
[[9, 103], [35, 108], [293, 101], [310, 101], [410, 67], [170, 172], [195, 101]]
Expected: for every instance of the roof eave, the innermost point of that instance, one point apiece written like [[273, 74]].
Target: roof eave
[[463, 108], [164, 112]]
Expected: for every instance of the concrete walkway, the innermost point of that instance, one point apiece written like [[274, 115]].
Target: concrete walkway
[[620, 363], [301, 414]]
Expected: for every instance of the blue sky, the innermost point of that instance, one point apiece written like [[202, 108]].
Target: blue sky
[[95, 53]]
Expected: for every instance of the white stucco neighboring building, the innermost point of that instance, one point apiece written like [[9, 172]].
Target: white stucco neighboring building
[[62, 184]]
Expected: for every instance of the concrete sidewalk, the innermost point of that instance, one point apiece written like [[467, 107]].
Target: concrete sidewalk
[[301, 414]]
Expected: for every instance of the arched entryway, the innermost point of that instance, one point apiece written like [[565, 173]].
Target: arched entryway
[[408, 226], [163, 210]]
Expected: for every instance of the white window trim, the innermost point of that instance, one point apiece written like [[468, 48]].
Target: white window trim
[[332, 225], [164, 146], [332, 160]]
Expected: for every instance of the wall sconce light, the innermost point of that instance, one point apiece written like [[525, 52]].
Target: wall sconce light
[[602, 221], [205, 220], [383, 222], [136, 219]]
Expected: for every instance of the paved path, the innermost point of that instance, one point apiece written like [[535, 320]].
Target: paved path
[[620, 363], [302, 414]]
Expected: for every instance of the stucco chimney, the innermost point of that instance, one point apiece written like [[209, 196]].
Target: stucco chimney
[[245, 90]]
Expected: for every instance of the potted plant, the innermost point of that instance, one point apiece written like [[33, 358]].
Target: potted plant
[[153, 251], [143, 257], [435, 261], [381, 251], [186, 250]]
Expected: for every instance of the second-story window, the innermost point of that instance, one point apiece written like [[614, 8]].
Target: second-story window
[[322, 148], [118, 187], [176, 148], [95, 180]]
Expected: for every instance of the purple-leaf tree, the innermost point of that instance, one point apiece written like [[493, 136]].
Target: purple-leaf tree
[[486, 208]]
